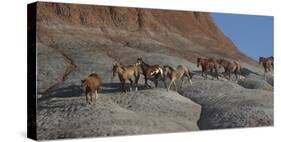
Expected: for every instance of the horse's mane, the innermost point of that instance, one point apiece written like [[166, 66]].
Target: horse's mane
[[169, 67], [211, 59], [93, 75], [145, 63]]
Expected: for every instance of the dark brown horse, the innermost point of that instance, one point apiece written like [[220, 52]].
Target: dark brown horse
[[267, 63], [230, 67], [126, 73], [150, 72], [208, 65]]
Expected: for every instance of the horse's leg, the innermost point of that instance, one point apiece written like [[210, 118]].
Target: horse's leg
[[91, 95], [146, 84], [239, 74], [96, 93], [205, 77], [217, 74], [123, 86], [229, 76], [170, 85], [136, 81], [131, 84], [189, 79], [235, 73], [175, 86], [145, 81], [204, 72], [156, 80], [87, 100], [164, 81], [265, 68], [156, 83], [211, 73], [182, 80]]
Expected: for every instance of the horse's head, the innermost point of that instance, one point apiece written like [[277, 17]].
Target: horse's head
[[219, 62], [139, 61], [115, 69], [261, 59], [83, 82], [271, 58], [167, 70]]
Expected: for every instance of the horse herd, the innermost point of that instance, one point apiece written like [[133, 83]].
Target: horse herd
[[93, 82]]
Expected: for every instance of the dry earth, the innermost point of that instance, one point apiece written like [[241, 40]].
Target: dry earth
[[75, 40]]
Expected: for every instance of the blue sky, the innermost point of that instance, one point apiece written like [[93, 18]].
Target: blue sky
[[253, 35]]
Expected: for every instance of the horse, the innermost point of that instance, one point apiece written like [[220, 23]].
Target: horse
[[150, 72], [179, 73], [126, 73], [208, 65], [91, 85], [267, 63], [230, 67]]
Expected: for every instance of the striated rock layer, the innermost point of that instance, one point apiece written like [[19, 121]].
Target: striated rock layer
[[90, 38]]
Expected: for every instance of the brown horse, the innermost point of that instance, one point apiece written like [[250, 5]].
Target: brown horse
[[91, 85], [150, 72], [126, 73], [267, 63], [208, 65], [179, 73], [230, 67]]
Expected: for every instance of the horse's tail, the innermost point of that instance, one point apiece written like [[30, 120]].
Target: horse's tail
[[83, 84], [187, 72], [161, 72], [190, 74], [238, 67]]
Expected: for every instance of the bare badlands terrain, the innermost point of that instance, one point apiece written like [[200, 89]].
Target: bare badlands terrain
[[76, 40]]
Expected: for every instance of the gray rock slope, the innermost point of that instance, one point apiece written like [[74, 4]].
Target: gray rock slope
[[67, 52], [229, 105], [62, 112], [143, 112]]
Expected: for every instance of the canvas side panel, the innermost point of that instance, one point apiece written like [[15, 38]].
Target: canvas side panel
[[31, 71]]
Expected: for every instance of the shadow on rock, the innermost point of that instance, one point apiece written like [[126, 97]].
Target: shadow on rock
[[77, 91], [69, 91], [247, 72], [198, 73], [117, 87]]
